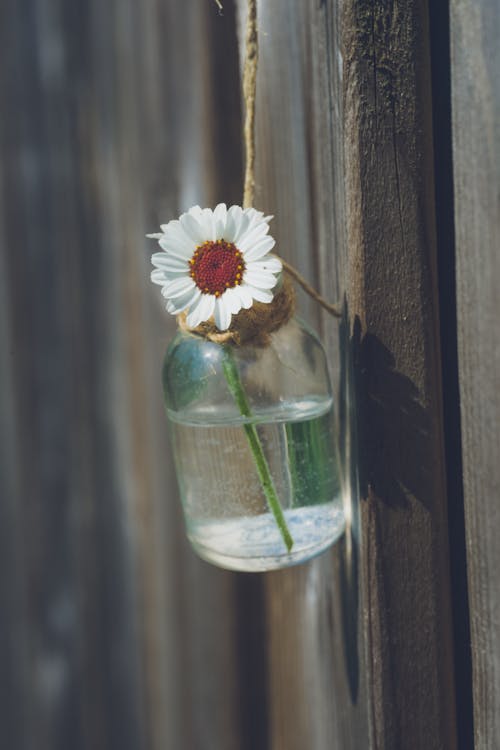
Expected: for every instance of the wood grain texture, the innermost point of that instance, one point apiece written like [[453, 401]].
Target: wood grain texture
[[317, 685], [393, 304], [118, 116], [475, 30], [114, 635]]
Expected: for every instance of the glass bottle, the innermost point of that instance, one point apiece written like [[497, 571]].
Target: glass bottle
[[287, 419]]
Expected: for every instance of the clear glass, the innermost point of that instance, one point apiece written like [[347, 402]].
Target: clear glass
[[267, 420]]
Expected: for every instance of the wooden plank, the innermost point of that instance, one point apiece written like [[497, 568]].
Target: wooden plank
[[475, 30], [317, 687], [116, 635], [394, 309]]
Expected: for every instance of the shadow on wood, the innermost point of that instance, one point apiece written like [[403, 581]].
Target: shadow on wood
[[393, 427]]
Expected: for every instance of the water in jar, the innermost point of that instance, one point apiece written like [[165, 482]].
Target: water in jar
[[227, 517]]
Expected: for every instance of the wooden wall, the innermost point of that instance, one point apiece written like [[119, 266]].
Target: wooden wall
[[475, 30], [117, 116], [393, 297], [113, 634]]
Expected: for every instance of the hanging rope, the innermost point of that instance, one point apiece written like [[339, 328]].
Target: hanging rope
[[249, 95], [311, 291]]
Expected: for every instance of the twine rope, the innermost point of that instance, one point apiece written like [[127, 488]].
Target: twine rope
[[249, 94], [310, 290]]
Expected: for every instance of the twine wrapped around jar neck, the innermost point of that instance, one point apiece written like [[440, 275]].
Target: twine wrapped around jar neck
[[253, 326]]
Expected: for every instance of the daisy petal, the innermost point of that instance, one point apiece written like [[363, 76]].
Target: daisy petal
[[260, 279], [158, 277], [256, 218], [163, 278], [222, 314], [233, 300], [208, 306], [195, 211], [193, 228], [252, 236], [208, 224], [203, 310], [245, 296], [260, 248], [173, 275], [261, 295], [253, 215], [174, 224], [175, 306], [175, 250], [175, 236], [233, 219], [271, 264], [242, 228], [178, 287], [168, 262], [220, 216]]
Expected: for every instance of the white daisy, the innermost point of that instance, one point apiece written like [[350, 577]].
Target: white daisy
[[214, 263]]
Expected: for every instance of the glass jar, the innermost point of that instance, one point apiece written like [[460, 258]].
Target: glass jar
[[253, 428]]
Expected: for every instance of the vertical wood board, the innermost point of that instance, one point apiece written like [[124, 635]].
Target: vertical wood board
[[393, 305], [317, 687], [475, 30], [114, 634]]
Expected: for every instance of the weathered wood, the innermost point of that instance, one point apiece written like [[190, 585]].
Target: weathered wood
[[475, 30], [114, 635], [118, 116], [393, 305], [314, 629]]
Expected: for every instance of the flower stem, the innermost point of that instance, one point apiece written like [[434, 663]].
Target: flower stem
[[238, 392]]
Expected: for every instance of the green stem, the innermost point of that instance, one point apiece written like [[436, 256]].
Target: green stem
[[238, 392]]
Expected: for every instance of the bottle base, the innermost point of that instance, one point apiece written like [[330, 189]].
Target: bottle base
[[254, 544]]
